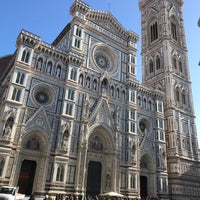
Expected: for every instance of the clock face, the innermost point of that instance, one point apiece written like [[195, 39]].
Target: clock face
[[102, 60]]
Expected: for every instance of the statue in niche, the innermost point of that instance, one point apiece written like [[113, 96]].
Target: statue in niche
[[58, 71], [117, 114], [133, 151], [39, 64], [49, 67], [7, 131], [86, 106], [162, 157], [8, 127], [107, 180], [65, 138], [81, 79], [104, 86], [95, 84]]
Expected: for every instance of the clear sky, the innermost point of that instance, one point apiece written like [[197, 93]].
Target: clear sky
[[46, 18]]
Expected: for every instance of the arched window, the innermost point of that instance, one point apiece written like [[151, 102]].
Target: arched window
[[151, 66], [132, 96], [20, 78], [160, 107], [180, 66], [16, 94], [157, 62], [78, 31], [154, 31], [25, 56], [174, 63], [123, 95], [71, 94], [112, 91], [183, 98], [1, 165], [177, 95], [60, 174], [69, 109], [174, 30], [132, 181], [73, 74], [77, 43]]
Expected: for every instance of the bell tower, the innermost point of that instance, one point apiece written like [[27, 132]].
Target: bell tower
[[165, 67]]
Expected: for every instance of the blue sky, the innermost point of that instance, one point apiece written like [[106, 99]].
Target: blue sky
[[46, 18]]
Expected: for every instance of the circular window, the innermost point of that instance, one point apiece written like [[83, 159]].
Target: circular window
[[104, 58], [43, 95]]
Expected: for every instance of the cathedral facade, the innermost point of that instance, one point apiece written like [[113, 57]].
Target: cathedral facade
[[75, 120]]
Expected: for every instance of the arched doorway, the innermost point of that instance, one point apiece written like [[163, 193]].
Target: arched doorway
[[26, 177], [100, 175], [147, 177], [94, 178], [32, 158]]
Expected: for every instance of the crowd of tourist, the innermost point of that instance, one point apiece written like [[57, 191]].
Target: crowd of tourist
[[74, 197]]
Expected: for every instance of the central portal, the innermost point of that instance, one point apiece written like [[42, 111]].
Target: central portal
[[143, 187], [26, 177], [94, 178]]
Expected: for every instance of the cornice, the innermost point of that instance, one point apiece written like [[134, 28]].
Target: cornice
[[110, 23], [144, 3]]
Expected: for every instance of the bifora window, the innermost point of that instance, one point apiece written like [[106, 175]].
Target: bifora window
[[16, 94], [20, 78], [25, 56], [73, 74], [60, 174], [173, 31], [151, 66], [157, 62], [69, 109], [71, 174], [154, 31]]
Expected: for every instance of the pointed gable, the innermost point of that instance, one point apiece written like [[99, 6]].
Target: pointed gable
[[107, 21], [39, 121], [101, 114]]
